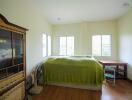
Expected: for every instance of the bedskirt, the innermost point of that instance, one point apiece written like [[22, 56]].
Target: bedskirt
[[89, 87]]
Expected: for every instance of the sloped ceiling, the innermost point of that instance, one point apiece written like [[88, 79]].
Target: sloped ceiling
[[71, 11]]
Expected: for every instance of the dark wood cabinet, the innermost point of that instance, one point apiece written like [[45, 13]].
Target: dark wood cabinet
[[12, 59], [11, 53], [5, 49]]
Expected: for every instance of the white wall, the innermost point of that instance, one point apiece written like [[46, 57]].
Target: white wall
[[83, 36], [125, 40], [22, 13]]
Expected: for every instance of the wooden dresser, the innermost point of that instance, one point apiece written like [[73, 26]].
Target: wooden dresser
[[12, 60]]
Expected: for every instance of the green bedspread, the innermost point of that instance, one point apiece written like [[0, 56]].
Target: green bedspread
[[66, 70]]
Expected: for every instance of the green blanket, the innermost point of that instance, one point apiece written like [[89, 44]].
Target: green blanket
[[72, 71]]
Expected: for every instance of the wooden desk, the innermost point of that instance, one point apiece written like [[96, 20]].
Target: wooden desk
[[121, 67]]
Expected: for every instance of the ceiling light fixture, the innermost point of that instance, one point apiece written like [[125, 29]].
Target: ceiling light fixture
[[126, 4], [58, 18]]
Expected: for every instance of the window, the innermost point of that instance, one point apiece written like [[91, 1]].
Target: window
[[67, 45], [63, 46], [70, 45], [101, 45], [46, 45], [49, 45], [106, 45]]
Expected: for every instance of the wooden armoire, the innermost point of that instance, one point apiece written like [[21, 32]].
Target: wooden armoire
[[12, 60]]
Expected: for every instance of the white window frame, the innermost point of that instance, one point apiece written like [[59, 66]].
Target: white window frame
[[66, 45], [102, 46]]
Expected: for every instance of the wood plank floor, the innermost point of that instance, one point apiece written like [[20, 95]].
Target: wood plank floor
[[121, 91]]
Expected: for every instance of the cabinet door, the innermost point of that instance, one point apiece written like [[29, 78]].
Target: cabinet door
[[17, 48], [16, 93], [5, 49]]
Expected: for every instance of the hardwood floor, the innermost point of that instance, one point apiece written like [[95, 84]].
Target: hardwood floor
[[121, 91]]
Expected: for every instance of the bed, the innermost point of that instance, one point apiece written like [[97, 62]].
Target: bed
[[73, 72]]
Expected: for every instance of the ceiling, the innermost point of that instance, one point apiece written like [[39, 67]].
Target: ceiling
[[73, 11]]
